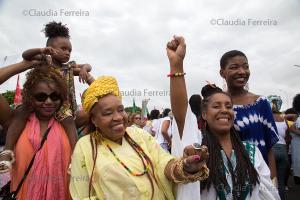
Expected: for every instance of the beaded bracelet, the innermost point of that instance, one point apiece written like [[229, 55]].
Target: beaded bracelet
[[176, 74]]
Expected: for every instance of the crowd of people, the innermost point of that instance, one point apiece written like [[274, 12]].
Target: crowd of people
[[221, 144]]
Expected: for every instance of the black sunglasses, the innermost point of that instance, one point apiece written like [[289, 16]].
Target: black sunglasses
[[42, 97]]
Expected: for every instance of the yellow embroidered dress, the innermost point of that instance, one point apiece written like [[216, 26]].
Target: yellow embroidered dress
[[111, 180]]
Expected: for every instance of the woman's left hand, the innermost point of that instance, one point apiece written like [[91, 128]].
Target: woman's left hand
[[194, 158]]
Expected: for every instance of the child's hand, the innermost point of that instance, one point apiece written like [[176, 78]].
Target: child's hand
[[176, 51], [48, 51], [83, 75]]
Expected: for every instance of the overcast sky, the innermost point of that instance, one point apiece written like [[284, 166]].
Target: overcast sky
[[127, 39]]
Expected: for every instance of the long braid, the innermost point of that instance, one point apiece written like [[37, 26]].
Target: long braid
[[244, 175], [94, 155], [216, 174], [250, 175], [134, 145], [95, 142]]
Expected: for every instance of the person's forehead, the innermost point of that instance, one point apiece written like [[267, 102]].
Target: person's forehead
[[45, 86], [109, 101], [220, 97], [59, 41], [238, 58]]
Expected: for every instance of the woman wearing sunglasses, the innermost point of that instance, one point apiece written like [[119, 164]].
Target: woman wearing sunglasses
[[43, 94]]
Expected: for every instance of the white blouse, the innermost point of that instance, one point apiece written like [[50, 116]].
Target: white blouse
[[265, 190]]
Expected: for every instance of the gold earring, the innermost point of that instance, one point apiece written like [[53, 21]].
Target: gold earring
[[98, 136]]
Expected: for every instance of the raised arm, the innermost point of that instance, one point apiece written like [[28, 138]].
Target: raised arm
[[38, 53], [164, 130], [11, 70], [179, 101]]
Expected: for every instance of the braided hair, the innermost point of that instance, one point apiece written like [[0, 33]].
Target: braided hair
[[55, 29], [244, 174]]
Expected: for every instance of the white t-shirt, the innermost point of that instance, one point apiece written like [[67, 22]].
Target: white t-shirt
[[155, 126], [281, 128], [263, 191], [159, 136], [297, 123]]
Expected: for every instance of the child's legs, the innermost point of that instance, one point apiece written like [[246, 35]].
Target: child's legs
[[5, 112], [16, 127], [70, 128]]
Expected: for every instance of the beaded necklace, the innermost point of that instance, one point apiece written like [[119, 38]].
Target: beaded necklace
[[140, 153]]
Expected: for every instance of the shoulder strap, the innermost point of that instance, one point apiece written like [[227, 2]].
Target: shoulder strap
[[31, 162]]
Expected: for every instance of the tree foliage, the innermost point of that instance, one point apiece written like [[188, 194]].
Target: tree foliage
[[9, 95]]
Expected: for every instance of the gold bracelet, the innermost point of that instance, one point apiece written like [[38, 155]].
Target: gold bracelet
[[184, 177], [201, 175]]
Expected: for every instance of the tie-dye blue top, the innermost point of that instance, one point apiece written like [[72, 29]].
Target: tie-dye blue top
[[255, 124]]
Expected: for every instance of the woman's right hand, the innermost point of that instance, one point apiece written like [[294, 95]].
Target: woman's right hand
[[176, 49], [195, 159]]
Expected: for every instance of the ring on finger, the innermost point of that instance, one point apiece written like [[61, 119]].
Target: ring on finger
[[196, 146]]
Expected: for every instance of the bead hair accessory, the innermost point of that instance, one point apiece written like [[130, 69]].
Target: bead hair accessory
[[211, 84]]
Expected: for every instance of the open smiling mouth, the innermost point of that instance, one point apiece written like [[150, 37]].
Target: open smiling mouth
[[224, 119]]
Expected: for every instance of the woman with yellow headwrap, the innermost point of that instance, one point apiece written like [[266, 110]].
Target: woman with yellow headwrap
[[119, 162]]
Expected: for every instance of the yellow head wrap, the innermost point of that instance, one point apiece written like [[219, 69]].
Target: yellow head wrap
[[102, 86]]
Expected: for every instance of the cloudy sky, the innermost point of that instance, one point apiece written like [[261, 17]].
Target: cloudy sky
[[127, 39]]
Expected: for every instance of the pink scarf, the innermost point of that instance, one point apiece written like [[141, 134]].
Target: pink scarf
[[47, 175]]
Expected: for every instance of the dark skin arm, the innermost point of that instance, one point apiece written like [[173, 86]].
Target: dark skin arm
[[179, 101], [5, 74], [272, 163], [6, 113], [37, 53], [11, 70], [294, 130], [70, 127], [164, 131], [82, 70], [17, 124], [82, 119]]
